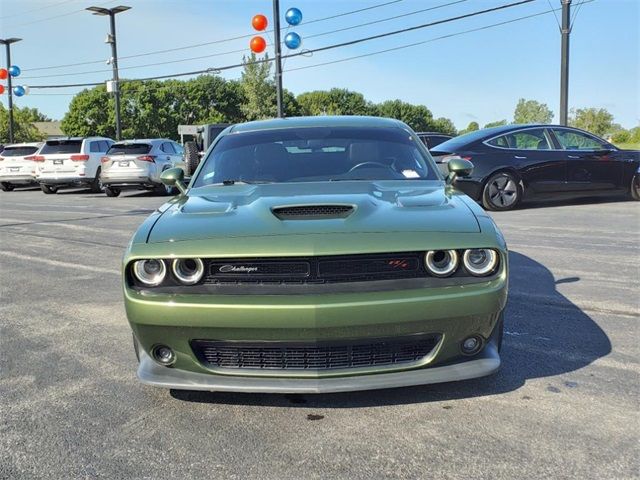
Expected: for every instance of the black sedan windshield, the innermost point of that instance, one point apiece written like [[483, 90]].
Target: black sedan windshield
[[315, 154]]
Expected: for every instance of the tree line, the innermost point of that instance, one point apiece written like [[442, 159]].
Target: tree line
[[153, 108]]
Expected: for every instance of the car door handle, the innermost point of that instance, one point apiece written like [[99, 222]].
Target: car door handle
[[520, 158], [573, 156]]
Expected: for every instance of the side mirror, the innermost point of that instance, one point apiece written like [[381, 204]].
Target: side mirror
[[458, 167], [174, 177]]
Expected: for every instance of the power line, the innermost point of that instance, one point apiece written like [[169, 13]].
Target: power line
[[378, 52], [400, 47], [58, 16], [72, 74], [37, 9], [213, 42], [320, 49]]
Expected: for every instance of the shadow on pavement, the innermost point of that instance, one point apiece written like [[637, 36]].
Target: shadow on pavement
[[545, 335]]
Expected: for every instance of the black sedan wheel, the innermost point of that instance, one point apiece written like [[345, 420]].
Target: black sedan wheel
[[48, 189], [501, 192], [6, 187], [635, 187], [111, 192]]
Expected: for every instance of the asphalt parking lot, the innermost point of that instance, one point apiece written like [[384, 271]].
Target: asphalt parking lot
[[564, 405]]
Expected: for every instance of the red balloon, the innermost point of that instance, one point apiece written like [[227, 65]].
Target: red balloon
[[1, 89], [3, 73], [259, 22], [257, 44]]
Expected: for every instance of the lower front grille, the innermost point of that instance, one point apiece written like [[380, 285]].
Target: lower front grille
[[310, 356]]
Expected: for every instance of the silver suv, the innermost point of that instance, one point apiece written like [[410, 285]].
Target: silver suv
[[137, 165], [69, 162]]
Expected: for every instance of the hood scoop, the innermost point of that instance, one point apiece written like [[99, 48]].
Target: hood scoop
[[312, 212]]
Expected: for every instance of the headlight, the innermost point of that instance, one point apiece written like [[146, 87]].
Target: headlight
[[480, 261], [188, 271], [441, 263], [150, 272]]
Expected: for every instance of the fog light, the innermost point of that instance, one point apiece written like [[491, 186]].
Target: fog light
[[471, 345], [164, 355]]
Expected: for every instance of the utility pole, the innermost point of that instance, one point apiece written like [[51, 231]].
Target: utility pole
[[276, 35], [111, 38], [7, 43], [565, 31]]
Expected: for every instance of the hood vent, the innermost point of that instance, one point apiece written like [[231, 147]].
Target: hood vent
[[312, 212]]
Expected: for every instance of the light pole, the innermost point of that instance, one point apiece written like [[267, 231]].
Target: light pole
[[111, 13], [278, 59], [565, 31], [7, 43]]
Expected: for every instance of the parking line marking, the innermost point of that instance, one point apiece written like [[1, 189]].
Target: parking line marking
[[57, 263]]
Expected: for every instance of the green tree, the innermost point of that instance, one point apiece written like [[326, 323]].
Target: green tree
[[444, 125], [531, 111], [498, 123], [258, 89], [472, 127], [595, 120], [337, 101], [23, 129], [417, 117]]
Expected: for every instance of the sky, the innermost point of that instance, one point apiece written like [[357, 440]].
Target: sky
[[476, 76]]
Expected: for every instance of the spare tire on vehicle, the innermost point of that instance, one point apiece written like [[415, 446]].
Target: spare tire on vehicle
[[191, 157]]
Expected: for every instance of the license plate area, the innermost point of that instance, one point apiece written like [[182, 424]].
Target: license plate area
[[58, 161], [14, 169], [123, 163]]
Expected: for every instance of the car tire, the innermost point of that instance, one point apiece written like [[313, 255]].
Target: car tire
[[48, 189], [634, 191], [191, 157], [502, 191], [96, 185], [111, 192], [6, 187]]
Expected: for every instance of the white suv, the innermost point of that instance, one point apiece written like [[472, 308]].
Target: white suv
[[71, 162], [17, 166]]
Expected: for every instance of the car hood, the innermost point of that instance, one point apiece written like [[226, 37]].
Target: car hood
[[242, 210]]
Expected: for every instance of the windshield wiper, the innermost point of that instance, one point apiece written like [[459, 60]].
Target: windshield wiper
[[243, 182], [349, 179]]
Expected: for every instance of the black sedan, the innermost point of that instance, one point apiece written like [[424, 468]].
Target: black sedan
[[518, 162]]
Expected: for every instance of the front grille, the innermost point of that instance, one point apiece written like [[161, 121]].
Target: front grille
[[309, 212], [329, 269], [312, 356]]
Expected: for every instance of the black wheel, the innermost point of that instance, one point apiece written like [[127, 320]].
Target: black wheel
[[96, 185], [6, 187], [501, 192], [111, 192], [635, 187], [191, 157], [48, 189]]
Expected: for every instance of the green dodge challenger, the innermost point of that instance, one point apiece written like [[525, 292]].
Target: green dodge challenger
[[319, 254]]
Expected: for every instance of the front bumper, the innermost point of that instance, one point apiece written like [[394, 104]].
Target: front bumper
[[452, 312], [150, 373]]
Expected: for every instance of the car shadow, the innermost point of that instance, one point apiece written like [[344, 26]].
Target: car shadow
[[560, 202], [545, 335]]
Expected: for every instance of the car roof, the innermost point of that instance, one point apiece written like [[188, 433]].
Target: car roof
[[26, 144], [59, 139], [434, 133], [318, 121], [142, 140]]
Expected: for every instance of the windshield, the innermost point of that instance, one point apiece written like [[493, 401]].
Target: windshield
[[129, 149], [314, 155], [61, 146], [19, 151]]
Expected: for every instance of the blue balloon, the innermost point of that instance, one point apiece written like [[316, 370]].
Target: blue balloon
[[18, 91], [292, 40], [14, 70], [293, 16]]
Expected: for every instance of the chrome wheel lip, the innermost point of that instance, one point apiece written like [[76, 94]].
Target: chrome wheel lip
[[503, 194]]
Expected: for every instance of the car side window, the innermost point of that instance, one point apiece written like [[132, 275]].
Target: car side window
[[94, 147], [572, 140], [533, 139], [178, 148], [167, 148]]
